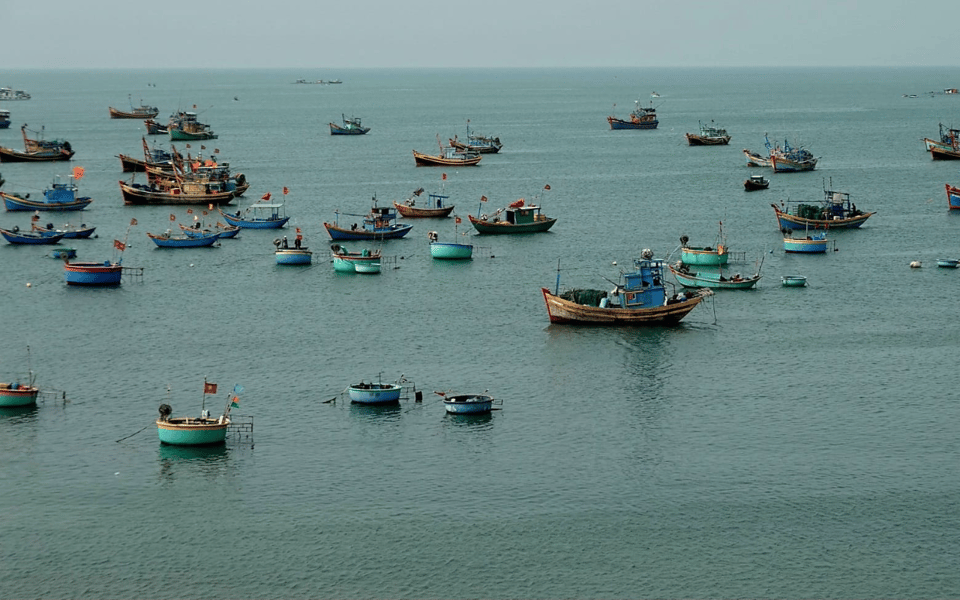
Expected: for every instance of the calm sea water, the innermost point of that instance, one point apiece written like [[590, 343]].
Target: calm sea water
[[781, 442]]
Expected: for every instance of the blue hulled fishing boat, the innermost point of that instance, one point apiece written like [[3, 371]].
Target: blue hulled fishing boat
[[379, 224], [58, 197]]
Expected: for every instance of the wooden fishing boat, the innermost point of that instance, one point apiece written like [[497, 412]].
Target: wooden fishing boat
[[953, 197], [448, 157], [4, 118], [836, 211], [756, 160], [938, 153], [68, 231], [448, 250], [468, 404], [221, 229], [197, 431], [477, 143], [154, 157], [949, 139], [709, 135], [434, 207], [184, 126], [169, 240], [350, 126], [792, 163], [8, 94], [379, 224], [14, 394], [638, 299], [136, 112], [756, 182], [712, 280], [106, 273], [176, 192], [37, 150], [642, 117], [814, 243], [15, 236], [365, 261], [793, 281], [259, 216], [374, 393], [517, 217], [154, 128], [58, 197]]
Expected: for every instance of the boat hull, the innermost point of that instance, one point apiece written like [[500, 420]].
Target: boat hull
[[713, 281], [93, 274], [255, 223], [944, 153], [704, 257], [376, 393], [293, 256], [178, 135], [756, 160], [792, 222], [338, 130], [805, 246], [134, 114], [468, 404], [793, 281], [141, 195], [617, 124], [565, 311], [184, 241], [700, 140], [11, 155], [450, 251], [953, 197], [22, 396], [12, 202], [342, 233], [30, 238], [412, 212], [503, 227], [948, 263], [782, 164], [751, 185], [181, 431], [428, 160]]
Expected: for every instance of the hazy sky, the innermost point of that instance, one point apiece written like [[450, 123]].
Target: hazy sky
[[485, 33]]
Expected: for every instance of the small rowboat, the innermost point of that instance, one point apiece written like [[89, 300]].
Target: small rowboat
[[167, 240], [948, 263], [468, 404], [17, 394], [374, 393], [93, 273], [793, 281], [15, 236]]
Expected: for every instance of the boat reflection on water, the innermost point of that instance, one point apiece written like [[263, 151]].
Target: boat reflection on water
[[477, 420], [18, 414], [189, 461], [385, 412]]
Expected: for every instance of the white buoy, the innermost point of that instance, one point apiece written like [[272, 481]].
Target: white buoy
[[915, 264], [29, 284], [614, 263]]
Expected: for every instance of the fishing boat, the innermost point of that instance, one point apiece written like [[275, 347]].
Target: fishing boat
[[797, 160], [106, 273], [517, 217], [449, 250], [480, 144], [7, 94], [168, 239], [374, 393], [468, 404], [379, 224], [15, 236], [63, 253], [366, 261], [836, 211], [14, 394], [197, 431], [813, 243], [178, 190], [259, 216], [68, 231], [793, 281], [938, 153], [434, 206], [713, 280], [184, 126], [756, 182], [350, 126], [949, 139], [709, 135], [298, 255], [154, 128], [448, 157], [642, 117], [155, 157], [136, 112], [4, 118], [705, 255], [221, 229], [756, 160], [953, 196], [639, 298], [58, 197], [37, 150]]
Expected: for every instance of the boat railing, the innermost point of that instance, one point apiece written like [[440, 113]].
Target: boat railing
[[132, 273], [240, 429]]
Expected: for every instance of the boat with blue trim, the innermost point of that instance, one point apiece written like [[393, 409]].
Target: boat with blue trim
[[480, 144], [379, 224], [449, 250], [710, 135], [350, 126], [58, 197], [835, 211], [168, 239], [298, 255], [37, 150], [953, 197], [375, 393], [197, 431], [136, 112], [259, 216], [639, 298], [469, 404], [15, 236], [517, 217], [344, 261], [813, 243], [642, 117]]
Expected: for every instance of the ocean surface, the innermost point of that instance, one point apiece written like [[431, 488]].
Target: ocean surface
[[780, 442]]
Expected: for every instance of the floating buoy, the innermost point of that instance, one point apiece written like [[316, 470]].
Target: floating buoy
[[29, 284], [915, 264], [191, 264], [614, 263]]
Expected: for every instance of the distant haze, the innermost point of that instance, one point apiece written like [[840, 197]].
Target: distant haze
[[491, 33]]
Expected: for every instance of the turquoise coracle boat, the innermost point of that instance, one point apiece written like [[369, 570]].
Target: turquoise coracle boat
[[197, 431], [448, 250]]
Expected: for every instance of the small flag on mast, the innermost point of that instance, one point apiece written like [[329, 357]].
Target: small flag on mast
[[209, 388], [483, 198], [286, 190], [78, 172], [173, 217], [265, 197], [235, 402], [133, 222], [119, 245]]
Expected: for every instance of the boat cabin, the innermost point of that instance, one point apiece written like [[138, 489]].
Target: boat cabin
[[644, 287], [523, 215], [60, 193]]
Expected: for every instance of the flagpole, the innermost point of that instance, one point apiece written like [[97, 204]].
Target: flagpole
[[203, 402]]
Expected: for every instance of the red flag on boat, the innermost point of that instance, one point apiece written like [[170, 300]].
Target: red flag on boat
[[546, 187], [78, 172], [202, 147], [35, 218], [286, 190], [209, 388], [298, 230], [188, 145], [133, 222], [204, 212], [265, 197], [483, 198], [443, 177], [216, 150], [457, 220], [119, 245], [189, 211], [173, 217]]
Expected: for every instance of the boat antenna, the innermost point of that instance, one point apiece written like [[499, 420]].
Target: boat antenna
[[556, 291], [30, 377]]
